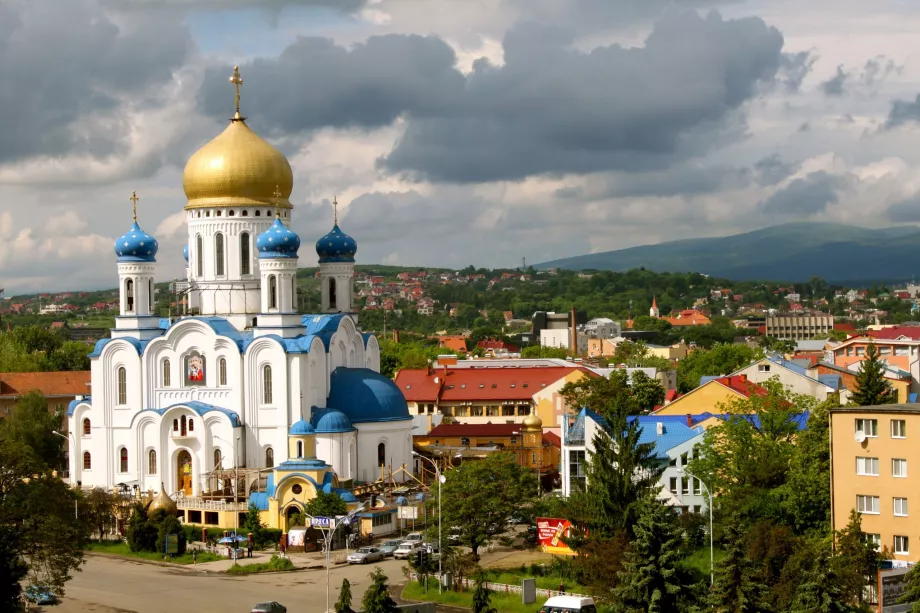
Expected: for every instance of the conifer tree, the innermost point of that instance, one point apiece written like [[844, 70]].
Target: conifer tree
[[377, 597], [482, 596], [871, 386], [737, 588], [343, 604], [911, 593], [652, 580], [857, 558], [821, 590]]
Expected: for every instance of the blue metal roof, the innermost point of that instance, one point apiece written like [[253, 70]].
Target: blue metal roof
[[200, 408], [260, 499], [675, 433], [832, 381], [302, 428], [328, 421], [139, 346], [71, 407], [707, 378], [366, 396], [346, 495]]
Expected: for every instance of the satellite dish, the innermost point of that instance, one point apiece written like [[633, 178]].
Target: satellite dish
[[860, 436]]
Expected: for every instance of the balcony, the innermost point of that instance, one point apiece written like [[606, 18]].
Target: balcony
[[181, 435], [200, 504]]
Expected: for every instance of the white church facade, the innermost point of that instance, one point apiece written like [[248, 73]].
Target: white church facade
[[243, 379]]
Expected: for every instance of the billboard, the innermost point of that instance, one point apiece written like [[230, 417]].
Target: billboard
[[550, 535], [891, 586]]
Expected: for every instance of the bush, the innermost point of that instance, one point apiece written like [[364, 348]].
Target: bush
[[275, 564]]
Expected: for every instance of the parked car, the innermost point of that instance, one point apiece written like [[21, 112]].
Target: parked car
[[413, 537], [390, 546], [269, 607], [39, 594], [406, 549], [569, 604], [366, 555]]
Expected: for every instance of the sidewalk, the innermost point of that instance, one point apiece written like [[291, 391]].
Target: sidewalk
[[301, 561]]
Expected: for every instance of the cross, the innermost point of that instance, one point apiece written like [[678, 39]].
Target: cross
[[134, 200], [335, 211], [277, 195], [237, 81]]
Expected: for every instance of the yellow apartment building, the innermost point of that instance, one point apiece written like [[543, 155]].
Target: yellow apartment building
[[875, 469], [710, 395]]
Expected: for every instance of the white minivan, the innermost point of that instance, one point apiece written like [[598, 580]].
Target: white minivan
[[569, 604], [415, 537]]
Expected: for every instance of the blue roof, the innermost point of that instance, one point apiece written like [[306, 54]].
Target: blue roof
[[135, 245], [707, 378], [336, 246], [201, 408], [260, 499], [330, 420], [366, 396], [139, 346], [302, 427], [302, 464], [346, 495], [278, 241], [185, 253], [676, 431], [402, 501], [71, 407], [833, 381]]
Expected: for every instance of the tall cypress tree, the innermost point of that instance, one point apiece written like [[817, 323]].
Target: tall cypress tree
[[343, 604], [737, 588], [377, 597], [871, 386], [482, 596], [821, 590]]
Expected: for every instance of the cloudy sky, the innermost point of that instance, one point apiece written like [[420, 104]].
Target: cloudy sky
[[457, 132]]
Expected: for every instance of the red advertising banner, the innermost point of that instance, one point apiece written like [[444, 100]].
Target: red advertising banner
[[551, 534]]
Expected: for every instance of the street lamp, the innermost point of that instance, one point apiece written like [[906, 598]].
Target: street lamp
[[330, 532], [712, 571], [437, 472], [236, 486], [70, 438]]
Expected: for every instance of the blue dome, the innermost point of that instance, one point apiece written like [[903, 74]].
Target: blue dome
[[185, 253], [336, 247], [278, 241], [136, 246], [302, 427], [366, 396], [333, 421]]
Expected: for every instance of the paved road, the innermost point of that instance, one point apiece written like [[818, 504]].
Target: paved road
[[109, 585]]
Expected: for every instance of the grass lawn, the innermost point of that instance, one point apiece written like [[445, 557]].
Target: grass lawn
[[698, 561], [513, 576], [506, 603], [121, 548], [275, 564]]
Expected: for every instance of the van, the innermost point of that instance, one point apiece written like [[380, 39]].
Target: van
[[415, 537], [569, 604]]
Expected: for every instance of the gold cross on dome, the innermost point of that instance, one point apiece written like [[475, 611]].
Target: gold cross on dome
[[134, 198], [237, 81], [335, 211], [277, 196]]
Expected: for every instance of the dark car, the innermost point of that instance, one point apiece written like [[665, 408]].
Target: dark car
[[39, 594], [269, 607]]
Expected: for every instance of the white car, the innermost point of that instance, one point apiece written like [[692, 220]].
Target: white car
[[414, 537], [365, 555], [406, 549]]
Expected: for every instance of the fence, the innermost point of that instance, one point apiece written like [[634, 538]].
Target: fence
[[198, 504], [505, 588]]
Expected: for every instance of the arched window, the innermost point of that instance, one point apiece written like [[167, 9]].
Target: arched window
[[331, 293], [150, 294], [122, 378], [219, 254], [266, 384], [222, 371], [123, 460], [382, 454], [231, 214], [152, 462], [269, 457], [87, 427], [272, 292], [87, 461], [294, 293], [184, 423], [299, 449], [199, 255], [245, 264], [217, 459], [175, 425], [167, 376], [245, 213], [129, 295], [191, 425], [258, 213]]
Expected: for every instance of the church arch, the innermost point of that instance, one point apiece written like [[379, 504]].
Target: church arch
[[87, 461], [382, 453], [150, 295], [121, 377], [245, 259], [219, 263], [217, 459], [167, 376], [294, 293], [129, 295], [299, 449]]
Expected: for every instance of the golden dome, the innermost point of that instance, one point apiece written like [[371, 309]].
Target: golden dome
[[237, 168], [532, 422], [163, 501]]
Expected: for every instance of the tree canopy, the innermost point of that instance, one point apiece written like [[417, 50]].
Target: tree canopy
[[872, 388]]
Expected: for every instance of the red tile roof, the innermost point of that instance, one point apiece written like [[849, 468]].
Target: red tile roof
[[51, 384], [456, 343], [845, 328], [553, 439], [472, 384], [740, 384], [890, 334]]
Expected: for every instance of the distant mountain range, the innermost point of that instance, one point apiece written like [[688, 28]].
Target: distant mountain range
[[789, 252]]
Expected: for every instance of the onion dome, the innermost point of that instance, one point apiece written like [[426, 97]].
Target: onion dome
[[185, 253], [336, 247], [164, 502], [302, 428], [136, 246], [532, 422], [334, 421], [278, 241]]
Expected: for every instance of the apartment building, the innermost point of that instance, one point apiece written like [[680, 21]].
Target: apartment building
[[901, 354], [799, 326], [875, 469]]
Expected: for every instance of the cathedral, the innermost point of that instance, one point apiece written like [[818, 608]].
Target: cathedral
[[243, 379]]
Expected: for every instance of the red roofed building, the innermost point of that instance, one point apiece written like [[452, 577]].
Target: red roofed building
[[58, 388], [896, 333], [711, 393], [454, 343], [688, 317], [495, 348]]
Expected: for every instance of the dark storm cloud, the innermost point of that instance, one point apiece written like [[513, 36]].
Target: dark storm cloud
[[314, 83], [805, 196], [63, 62], [835, 85], [907, 210], [551, 109], [903, 111], [771, 170]]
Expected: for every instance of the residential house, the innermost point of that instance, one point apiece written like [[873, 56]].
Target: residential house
[[896, 347], [454, 343], [899, 380], [677, 351], [497, 348], [688, 317], [793, 376], [711, 393]]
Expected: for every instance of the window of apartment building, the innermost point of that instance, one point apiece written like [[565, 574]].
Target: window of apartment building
[[849, 351], [898, 428], [492, 411], [673, 486], [898, 467], [462, 412], [686, 486], [884, 350], [683, 459], [860, 351], [867, 426], [875, 539], [672, 462], [868, 504], [577, 470], [867, 466], [697, 509], [902, 351], [508, 410], [523, 409], [763, 368], [697, 489], [901, 545], [900, 507]]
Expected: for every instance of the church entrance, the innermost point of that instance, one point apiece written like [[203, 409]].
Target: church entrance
[[184, 463]]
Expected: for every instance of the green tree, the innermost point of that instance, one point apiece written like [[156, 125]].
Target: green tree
[[167, 524], [722, 359], [253, 525], [737, 586], [538, 351], [647, 391], [652, 580], [479, 497], [343, 604], [71, 355], [39, 536], [871, 386], [377, 597], [141, 534], [31, 423], [856, 559], [98, 509], [911, 592], [821, 590], [482, 596], [326, 505]]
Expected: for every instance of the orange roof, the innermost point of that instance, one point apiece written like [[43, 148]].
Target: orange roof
[[455, 343], [740, 384], [478, 384], [51, 384], [688, 317]]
